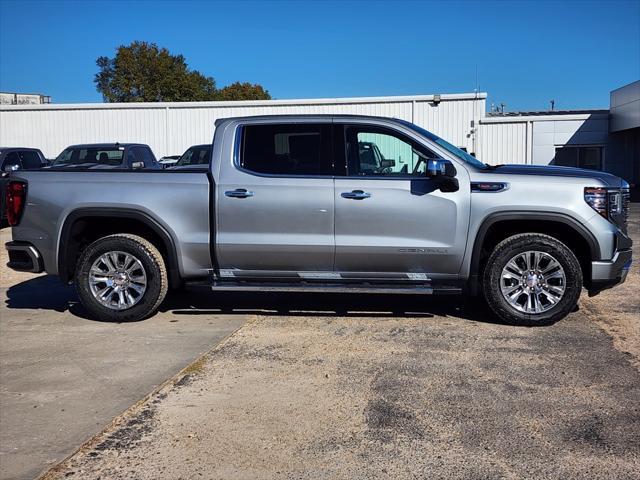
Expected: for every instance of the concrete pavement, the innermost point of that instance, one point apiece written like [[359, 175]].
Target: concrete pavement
[[63, 378]]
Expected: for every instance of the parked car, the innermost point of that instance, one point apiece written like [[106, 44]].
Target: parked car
[[107, 156], [16, 158], [290, 203], [198, 156], [168, 161]]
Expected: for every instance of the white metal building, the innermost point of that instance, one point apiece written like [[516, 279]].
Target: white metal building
[[170, 128], [578, 138], [537, 137]]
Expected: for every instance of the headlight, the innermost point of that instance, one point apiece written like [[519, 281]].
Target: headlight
[[611, 203], [597, 198]]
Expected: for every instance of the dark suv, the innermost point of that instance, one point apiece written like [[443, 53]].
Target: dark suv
[[109, 156]]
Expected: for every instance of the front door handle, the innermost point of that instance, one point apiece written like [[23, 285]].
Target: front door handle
[[238, 193], [355, 195]]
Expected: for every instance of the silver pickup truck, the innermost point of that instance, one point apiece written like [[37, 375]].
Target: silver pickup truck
[[326, 203]]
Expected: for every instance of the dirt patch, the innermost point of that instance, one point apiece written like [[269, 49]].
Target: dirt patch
[[130, 433], [617, 311], [363, 397]]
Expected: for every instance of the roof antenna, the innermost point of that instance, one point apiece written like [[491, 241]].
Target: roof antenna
[[553, 105]]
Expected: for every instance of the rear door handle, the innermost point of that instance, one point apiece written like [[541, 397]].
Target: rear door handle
[[238, 193], [355, 195]]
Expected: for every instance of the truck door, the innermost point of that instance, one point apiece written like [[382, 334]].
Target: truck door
[[391, 220], [275, 202]]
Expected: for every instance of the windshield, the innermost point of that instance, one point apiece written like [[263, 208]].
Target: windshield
[[455, 151], [100, 155]]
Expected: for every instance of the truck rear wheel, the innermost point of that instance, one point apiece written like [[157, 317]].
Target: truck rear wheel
[[121, 278], [532, 279]]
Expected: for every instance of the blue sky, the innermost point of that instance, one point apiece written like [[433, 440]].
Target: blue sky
[[526, 52]]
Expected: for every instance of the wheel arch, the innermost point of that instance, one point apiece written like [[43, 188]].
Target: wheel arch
[[74, 236], [501, 225]]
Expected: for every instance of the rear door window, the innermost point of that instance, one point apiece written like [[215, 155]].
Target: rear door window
[[31, 160], [287, 149], [195, 156], [132, 157], [147, 157], [201, 156]]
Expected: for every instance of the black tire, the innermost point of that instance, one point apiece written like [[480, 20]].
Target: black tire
[[154, 268], [508, 249]]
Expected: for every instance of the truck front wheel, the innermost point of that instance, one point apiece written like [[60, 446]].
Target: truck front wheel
[[121, 278], [532, 279]]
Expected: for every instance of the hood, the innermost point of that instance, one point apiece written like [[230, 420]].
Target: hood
[[557, 171]]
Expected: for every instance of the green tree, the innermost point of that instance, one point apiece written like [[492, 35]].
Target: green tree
[[243, 91], [143, 72]]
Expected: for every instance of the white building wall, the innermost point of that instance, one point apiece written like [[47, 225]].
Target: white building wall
[[170, 128], [533, 139], [502, 143], [551, 134]]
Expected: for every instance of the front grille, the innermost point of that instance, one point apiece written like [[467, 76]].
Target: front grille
[[622, 219]]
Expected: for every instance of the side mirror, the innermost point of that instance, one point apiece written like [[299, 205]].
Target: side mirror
[[443, 172], [137, 165], [387, 163], [439, 167]]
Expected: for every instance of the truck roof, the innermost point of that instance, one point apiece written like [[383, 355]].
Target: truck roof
[[107, 145], [306, 116], [2, 149]]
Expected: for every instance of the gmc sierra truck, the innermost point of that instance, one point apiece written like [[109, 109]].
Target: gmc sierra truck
[[295, 203]]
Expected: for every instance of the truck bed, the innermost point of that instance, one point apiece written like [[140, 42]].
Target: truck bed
[[178, 202]]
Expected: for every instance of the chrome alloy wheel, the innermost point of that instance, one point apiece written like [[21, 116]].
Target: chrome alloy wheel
[[117, 280], [533, 282]]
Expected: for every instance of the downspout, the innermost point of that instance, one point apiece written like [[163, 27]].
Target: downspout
[[477, 114]]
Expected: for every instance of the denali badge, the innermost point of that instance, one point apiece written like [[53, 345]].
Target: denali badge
[[432, 251]]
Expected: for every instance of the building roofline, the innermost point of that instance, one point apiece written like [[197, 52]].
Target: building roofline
[[538, 113], [538, 116], [624, 86], [25, 93], [250, 103]]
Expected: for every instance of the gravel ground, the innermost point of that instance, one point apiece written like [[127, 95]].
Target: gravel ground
[[313, 397], [617, 310]]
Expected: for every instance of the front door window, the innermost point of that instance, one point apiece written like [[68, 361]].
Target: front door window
[[375, 152]]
